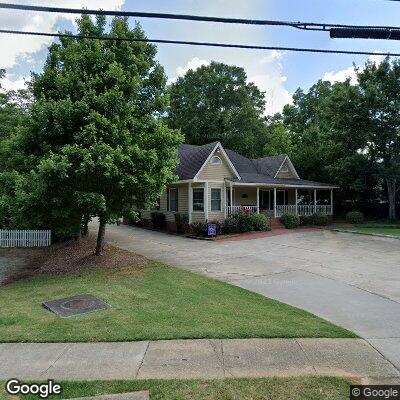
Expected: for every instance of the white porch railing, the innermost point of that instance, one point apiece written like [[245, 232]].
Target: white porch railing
[[303, 210], [241, 210]]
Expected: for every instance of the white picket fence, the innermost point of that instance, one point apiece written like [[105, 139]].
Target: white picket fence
[[24, 238]]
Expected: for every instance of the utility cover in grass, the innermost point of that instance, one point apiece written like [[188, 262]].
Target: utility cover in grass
[[76, 305]]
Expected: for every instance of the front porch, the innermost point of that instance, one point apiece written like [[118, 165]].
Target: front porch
[[278, 201]]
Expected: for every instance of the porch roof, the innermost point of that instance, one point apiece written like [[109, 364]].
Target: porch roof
[[265, 180]]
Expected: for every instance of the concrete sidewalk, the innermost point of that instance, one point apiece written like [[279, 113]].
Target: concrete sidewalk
[[201, 358]]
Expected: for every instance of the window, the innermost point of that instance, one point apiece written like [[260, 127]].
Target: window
[[216, 160], [173, 200], [284, 169], [198, 199], [215, 199]]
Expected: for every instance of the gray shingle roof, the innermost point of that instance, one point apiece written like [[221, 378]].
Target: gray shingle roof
[[260, 170]]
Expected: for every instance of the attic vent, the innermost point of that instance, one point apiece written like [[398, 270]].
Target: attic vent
[[284, 169], [215, 160]]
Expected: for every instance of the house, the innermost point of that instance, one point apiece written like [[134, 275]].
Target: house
[[215, 182]]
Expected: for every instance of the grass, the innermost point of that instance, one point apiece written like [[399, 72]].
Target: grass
[[376, 229], [159, 302], [297, 388]]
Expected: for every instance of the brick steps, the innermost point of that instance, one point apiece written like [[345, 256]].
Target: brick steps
[[276, 223]]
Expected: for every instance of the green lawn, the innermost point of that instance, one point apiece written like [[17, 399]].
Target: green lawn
[[391, 230], [299, 388], [159, 303]]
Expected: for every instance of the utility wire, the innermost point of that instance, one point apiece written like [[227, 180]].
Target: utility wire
[[192, 43], [300, 25]]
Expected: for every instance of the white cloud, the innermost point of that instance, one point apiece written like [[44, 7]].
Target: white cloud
[[192, 64], [13, 83], [14, 48], [270, 79], [342, 75]]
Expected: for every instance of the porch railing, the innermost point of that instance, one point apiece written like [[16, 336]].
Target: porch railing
[[241, 210], [303, 210]]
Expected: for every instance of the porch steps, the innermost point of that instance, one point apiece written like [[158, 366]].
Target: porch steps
[[276, 223]]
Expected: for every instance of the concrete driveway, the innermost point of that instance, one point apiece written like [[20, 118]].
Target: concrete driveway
[[350, 280]]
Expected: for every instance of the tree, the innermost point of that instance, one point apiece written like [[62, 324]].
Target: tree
[[96, 141], [379, 88], [216, 103], [327, 127]]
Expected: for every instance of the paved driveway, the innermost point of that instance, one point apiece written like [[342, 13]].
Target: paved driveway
[[351, 280]]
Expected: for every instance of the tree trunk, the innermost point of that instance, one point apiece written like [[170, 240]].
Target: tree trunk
[[391, 187], [101, 235]]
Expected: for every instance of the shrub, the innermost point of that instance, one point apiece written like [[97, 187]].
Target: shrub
[[306, 220], [355, 217], [158, 219], [230, 226], [320, 219], [198, 228], [182, 222], [259, 222], [290, 220], [243, 221]]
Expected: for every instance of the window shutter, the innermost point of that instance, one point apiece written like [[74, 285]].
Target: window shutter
[[168, 200], [177, 200]]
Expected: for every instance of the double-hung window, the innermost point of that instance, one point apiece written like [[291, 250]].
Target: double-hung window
[[173, 200], [215, 199], [198, 199]]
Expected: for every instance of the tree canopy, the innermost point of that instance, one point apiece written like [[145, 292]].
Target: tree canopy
[[95, 141], [216, 103]]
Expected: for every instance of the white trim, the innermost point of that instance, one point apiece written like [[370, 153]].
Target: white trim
[[190, 200], [281, 185], [206, 201], [274, 202], [258, 200], [218, 145], [291, 166], [183, 181]]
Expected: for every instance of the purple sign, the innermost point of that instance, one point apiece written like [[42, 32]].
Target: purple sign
[[212, 230]]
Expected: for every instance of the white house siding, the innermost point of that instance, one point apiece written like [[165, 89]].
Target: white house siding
[[212, 172], [251, 193]]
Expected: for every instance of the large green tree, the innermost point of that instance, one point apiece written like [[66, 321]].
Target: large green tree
[[327, 130], [379, 90], [96, 141], [216, 103]]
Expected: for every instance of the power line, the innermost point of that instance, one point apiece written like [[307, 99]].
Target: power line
[[193, 43], [300, 25]]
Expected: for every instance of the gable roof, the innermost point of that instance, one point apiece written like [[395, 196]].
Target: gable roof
[[260, 170]]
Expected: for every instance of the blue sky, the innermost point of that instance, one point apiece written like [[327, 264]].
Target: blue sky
[[277, 73]]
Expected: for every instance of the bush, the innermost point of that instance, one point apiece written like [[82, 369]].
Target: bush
[[259, 222], [243, 222], [198, 228], [230, 226], [320, 219], [182, 222], [158, 219], [290, 220], [306, 220], [355, 217]]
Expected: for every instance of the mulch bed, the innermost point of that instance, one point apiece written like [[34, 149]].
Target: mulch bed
[[73, 256]]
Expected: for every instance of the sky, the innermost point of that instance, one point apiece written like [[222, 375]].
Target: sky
[[278, 74]]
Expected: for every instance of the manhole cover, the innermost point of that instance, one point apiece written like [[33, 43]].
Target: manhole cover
[[76, 305]]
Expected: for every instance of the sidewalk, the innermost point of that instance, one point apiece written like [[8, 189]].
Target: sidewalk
[[201, 358]]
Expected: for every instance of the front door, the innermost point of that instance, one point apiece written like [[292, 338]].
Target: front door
[[265, 199]]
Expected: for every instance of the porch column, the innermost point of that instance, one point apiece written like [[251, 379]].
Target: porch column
[[274, 202], [315, 200], [258, 200], [206, 201], [190, 205], [297, 211], [231, 191], [225, 202], [331, 201]]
